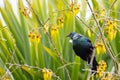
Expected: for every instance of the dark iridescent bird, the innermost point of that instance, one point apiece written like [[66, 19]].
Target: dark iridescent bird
[[83, 48]]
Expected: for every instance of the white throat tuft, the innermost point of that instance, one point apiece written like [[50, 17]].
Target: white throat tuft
[[71, 41]]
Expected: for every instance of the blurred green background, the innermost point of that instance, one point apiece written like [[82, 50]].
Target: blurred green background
[[33, 41]]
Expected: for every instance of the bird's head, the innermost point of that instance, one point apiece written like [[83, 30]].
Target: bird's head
[[74, 35]]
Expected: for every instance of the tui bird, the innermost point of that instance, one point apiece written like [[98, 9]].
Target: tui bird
[[83, 48]]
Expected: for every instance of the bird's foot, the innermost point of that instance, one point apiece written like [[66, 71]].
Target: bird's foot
[[89, 65]]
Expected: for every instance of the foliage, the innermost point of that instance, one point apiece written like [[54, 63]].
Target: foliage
[[33, 43]]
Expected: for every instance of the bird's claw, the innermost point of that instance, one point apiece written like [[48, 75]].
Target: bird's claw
[[89, 65]]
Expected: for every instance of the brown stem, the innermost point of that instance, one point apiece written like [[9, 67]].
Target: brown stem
[[40, 22], [113, 4]]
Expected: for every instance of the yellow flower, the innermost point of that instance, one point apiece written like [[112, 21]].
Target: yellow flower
[[100, 48], [25, 11], [103, 48], [97, 15], [47, 74], [34, 36], [110, 29], [97, 49], [54, 31], [100, 15], [31, 36], [104, 78], [90, 33], [102, 12], [109, 76], [6, 78], [75, 8], [38, 36], [101, 68], [60, 19], [72, 6], [99, 71]]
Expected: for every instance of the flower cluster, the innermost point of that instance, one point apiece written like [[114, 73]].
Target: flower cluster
[[47, 74], [34, 35], [54, 31], [6, 78], [107, 77], [110, 29], [101, 14], [74, 7], [60, 19], [101, 68], [100, 47], [25, 11]]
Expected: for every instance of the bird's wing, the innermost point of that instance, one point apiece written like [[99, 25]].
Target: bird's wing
[[87, 43], [83, 47]]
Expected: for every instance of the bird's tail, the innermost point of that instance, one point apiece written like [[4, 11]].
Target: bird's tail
[[94, 65]]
